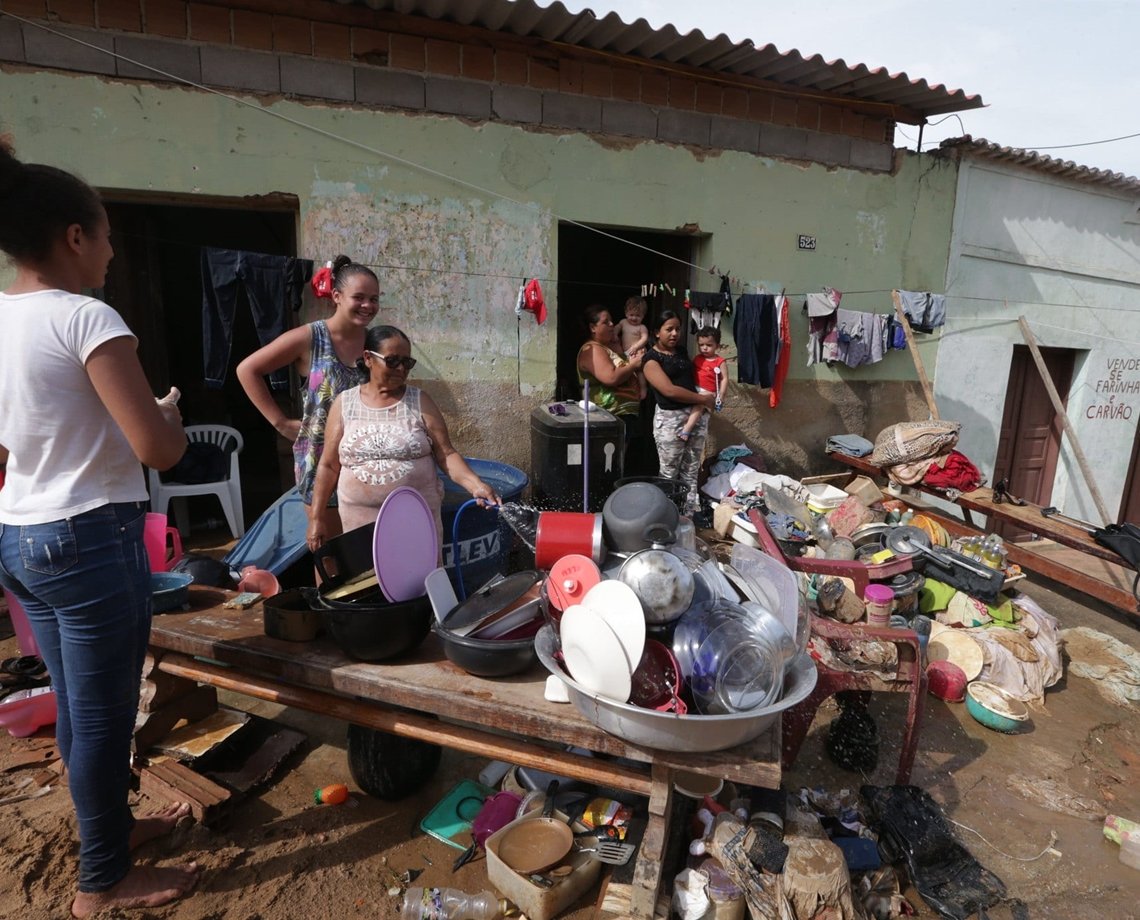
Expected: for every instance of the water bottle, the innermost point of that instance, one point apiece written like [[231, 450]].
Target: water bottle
[[450, 904]]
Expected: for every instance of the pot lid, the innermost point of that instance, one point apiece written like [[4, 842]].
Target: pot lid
[[905, 540], [490, 600], [907, 583], [571, 577], [405, 545]]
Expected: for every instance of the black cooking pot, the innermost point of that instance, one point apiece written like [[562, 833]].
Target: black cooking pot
[[371, 629], [291, 616], [487, 657]]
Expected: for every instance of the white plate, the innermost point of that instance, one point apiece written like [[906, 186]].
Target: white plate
[[617, 604], [594, 654]]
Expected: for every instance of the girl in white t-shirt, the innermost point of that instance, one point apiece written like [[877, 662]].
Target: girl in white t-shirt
[[78, 419]]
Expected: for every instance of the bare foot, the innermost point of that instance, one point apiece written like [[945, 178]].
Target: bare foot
[[157, 823], [143, 886]]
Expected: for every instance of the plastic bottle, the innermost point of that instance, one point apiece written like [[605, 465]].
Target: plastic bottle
[[331, 795], [450, 904]]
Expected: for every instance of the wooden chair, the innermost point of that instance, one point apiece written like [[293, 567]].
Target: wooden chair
[[909, 676]]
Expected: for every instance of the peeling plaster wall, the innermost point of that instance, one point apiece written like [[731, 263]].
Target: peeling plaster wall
[[1064, 256], [451, 254]]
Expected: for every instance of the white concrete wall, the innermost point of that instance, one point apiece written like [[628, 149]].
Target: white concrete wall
[[1067, 257]]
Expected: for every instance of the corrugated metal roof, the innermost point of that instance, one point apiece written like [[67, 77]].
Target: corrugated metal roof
[[1066, 169], [916, 99]]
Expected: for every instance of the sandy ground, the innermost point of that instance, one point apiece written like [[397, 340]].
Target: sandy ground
[[280, 856]]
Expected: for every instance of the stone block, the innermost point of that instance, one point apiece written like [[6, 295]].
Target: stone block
[[11, 41], [733, 134], [457, 97], [390, 88], [303, 76], [629, 118], [778, 141], [683, 127], [517, 104], [870, 155], [833, 149], [253, 30], [241, 69], [562, 110], [175, 58], [57, 51]]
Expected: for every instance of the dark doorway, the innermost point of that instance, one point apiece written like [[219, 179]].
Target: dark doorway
[[597, 268], [155, 283], [1030, 440], [607, 268]]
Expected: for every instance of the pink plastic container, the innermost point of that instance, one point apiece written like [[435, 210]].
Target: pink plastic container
[[25, 711], [163, 543], [25, 641]]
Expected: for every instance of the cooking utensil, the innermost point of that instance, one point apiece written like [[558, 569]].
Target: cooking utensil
[[492, 602], [661, 580], [290, 616], [905, 540], [405, 544], [571, 578], [632, 509], [561, 533], [610, 851], [535, 845]]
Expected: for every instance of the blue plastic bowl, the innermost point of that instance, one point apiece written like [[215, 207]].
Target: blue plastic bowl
[[994, 708], [169, 590]]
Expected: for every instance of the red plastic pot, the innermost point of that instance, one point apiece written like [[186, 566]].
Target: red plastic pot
[[561, 533]]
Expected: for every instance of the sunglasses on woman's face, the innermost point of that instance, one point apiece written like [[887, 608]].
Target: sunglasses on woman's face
[[394, 361]]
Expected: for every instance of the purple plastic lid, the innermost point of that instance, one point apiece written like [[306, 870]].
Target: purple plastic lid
[[405, 545], [878, 594]]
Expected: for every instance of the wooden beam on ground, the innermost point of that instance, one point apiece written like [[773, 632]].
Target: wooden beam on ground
[[1059, 408], [920, 369]]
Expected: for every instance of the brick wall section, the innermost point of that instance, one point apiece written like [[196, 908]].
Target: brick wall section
[[350, 54]]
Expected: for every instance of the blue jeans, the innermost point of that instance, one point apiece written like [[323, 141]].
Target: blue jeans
[[85, 585]]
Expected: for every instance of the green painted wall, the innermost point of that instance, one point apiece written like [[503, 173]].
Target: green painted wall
[[873, 231]]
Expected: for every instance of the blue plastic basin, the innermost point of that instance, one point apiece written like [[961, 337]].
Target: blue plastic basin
[[483, 540]]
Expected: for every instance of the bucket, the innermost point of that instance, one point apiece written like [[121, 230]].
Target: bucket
[[25, 641], [563, 533], [163, 543], [483, 539]]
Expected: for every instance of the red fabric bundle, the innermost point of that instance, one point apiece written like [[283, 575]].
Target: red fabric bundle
[[956, 472]]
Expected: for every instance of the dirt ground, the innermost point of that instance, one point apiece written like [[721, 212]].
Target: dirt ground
[[281, 857]]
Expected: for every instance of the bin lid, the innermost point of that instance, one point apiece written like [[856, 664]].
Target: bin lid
[[574, 418]]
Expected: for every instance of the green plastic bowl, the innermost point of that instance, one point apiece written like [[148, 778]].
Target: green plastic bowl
[[995, 708]]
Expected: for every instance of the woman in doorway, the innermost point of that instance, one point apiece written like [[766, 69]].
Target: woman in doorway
[[324, 354], [613, 380], [669, 373], [78, 419], [384, 434]]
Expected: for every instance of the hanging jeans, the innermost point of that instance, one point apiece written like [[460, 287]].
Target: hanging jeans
[[757, 339], [270, 284], [84, 583]]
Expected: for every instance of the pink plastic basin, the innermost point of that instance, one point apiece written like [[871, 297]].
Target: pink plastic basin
[[25, 711]]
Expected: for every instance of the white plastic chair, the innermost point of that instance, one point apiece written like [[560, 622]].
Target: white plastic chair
[[227, 490]]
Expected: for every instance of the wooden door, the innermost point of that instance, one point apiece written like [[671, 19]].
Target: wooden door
[[1130, 505], [1030, 439]]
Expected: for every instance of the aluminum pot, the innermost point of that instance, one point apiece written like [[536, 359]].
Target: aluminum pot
[[629, 513], [662, 582]]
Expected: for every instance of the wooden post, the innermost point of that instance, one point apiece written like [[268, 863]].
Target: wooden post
[[927, 391], [1059, 408]]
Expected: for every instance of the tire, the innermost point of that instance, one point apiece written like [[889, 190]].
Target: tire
[[390, 766]]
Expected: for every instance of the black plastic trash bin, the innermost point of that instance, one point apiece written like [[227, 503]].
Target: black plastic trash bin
[[557, 457]]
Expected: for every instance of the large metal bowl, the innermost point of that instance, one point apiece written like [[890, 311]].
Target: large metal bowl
[[667, 731]]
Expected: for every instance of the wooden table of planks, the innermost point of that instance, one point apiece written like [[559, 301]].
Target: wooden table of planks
[[503, 719], [1028, 516]]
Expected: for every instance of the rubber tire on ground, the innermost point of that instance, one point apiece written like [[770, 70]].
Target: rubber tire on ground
[[389, 766]]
